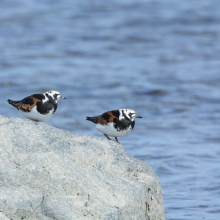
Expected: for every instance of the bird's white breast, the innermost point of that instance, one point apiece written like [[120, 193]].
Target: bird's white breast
[[110, 130], [36, 116]]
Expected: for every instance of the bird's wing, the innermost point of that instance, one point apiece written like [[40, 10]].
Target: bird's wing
[[108, 117], [29, 102]]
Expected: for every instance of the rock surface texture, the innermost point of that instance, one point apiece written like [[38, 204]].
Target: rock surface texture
[[49, 173]]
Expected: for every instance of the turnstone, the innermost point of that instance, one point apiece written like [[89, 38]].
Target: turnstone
[[38, 107], [116, 123]]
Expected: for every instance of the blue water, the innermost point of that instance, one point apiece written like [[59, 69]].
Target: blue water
[[160, 58]]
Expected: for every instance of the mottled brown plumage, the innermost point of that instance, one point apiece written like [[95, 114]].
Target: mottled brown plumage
[[116, 123], [105, 118], [27, 103], [38, 107]]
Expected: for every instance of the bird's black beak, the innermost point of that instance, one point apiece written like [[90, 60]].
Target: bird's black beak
[[136, 116], [62, 97]]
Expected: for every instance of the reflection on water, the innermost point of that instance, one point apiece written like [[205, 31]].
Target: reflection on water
[[160, 58]]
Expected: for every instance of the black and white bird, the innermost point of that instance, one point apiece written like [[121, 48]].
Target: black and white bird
[[116, 123], [38, 107]]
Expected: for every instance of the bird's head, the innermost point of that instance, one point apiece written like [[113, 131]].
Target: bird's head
[[128, 114], [55, 95]]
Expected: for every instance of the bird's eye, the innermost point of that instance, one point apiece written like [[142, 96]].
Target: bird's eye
[[131, 114]]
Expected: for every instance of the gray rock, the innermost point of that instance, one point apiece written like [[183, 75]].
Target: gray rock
[[48, 173]]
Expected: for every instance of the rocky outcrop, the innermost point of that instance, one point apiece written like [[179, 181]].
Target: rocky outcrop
[[49, 173]]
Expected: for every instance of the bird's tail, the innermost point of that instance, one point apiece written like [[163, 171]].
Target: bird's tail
[[92, 119], [16, 104]]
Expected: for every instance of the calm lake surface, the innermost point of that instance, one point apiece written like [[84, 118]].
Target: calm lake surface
[[160, 58]]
